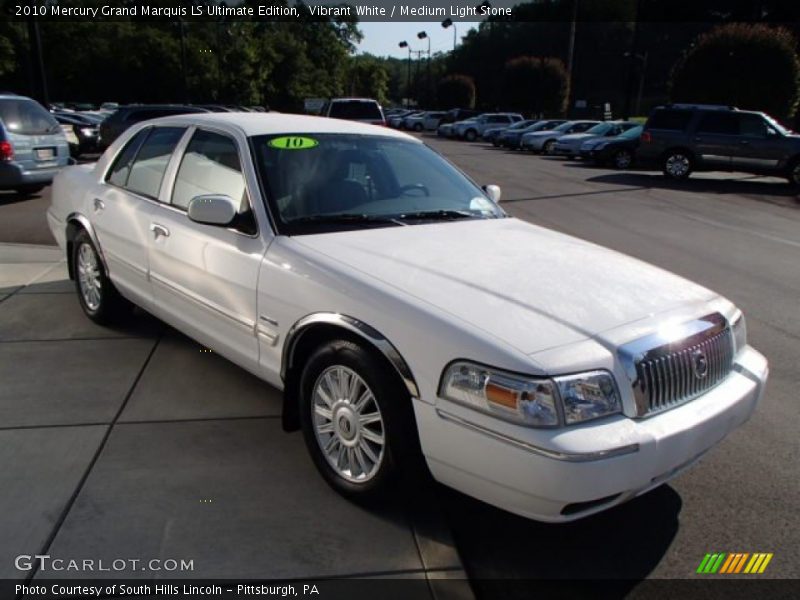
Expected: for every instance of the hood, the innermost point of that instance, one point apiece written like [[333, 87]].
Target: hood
[[577, 137], [531, 287]]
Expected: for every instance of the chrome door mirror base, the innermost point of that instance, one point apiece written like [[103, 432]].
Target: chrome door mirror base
[[493, 191]]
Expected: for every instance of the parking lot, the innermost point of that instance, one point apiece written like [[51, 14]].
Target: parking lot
[[139, 440]]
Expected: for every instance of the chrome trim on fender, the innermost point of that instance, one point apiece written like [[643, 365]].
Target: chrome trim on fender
[[77, 217], [554, 454], [355, 326], [188, 295]]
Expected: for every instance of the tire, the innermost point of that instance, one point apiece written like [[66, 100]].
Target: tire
[[98, 297], [30, 189], [622, 159], [418, 127], [548, 147], [793, 174], [677, 164], [358, 467], [470, 135]]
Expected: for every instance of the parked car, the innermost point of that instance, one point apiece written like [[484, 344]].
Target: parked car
[[535, 371], [33, 146], [682, 138], [511, 138], [125, 116], [85, 132], [493, 134], [617, 151], [570, 145], [365, 110], [454, 115], [425, 121], [472, 129], [397, 118], [544, 141]]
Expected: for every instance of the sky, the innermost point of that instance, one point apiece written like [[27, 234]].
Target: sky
[[381, 38]]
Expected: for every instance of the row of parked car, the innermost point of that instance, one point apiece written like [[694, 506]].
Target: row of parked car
[[678, 138]]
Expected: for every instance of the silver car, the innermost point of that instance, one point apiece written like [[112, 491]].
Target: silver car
[[33, 147], [545, 141], [570, 145]]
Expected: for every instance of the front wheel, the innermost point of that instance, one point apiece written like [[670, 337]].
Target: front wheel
[[471, 135], [622, 159], [549, 147], [418, 127], [794, 173], [356, 424], [677, 164], [98, 297]]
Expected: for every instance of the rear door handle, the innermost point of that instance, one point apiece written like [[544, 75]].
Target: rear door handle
[[99, 205], [159, 230]]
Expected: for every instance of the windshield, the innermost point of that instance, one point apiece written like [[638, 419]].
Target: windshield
[[26, 117], [778, 127], [522, 124], [600, 129], [563, 127], [313, 180]]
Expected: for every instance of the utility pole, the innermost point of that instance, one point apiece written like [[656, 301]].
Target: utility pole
[[571, 51], [39, 82]]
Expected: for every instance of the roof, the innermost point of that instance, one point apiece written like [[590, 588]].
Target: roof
[[273, 123]]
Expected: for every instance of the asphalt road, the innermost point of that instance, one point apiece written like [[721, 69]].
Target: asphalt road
[[736, 234]]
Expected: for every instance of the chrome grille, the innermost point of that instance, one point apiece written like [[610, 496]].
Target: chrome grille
[[665, 375]]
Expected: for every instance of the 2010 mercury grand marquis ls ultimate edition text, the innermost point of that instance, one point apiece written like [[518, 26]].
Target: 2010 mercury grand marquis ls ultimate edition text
[[402, 311]]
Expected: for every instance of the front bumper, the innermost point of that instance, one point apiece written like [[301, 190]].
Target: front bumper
[[565, 150], [535, 144], [569, 473]]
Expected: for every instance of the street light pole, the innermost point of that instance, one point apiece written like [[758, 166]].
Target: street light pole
[[404, 44], [40, 80], [449, 23], [571, 50], [423, 35]]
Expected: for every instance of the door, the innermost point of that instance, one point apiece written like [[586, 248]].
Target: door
[[204, 277], [760, 147], [121, 206], [716, 139]]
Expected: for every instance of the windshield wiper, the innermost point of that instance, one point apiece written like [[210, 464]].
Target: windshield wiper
[[440, 215], [346, 218]]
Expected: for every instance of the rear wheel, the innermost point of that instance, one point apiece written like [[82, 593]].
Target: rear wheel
[[794, 173], [98, 297], [357, 422], [622, 159], [471, 135], [418, 127], [549, 147], [677, 164]]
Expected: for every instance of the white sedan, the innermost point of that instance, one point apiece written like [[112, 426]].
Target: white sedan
[[404, 314]]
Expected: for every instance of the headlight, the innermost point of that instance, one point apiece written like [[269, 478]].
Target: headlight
[[588, 396], [87, 131], [600, 145], [522, 399], [532, 401], [739, 328]]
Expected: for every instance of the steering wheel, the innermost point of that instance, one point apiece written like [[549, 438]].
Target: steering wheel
[[404, 189]]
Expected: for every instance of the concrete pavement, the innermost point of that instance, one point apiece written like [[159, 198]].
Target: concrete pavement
[[138, 442]]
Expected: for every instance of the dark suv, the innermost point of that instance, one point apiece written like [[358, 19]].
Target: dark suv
[[682, 138], [125, 116]]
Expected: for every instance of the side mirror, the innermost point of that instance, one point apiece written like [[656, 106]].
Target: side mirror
[[212, 209], [494, 192]]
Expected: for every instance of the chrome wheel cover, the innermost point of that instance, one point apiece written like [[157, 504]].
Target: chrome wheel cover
[[623, 159], [677, 165], [348, 424], [796, 173], [549, 146], [89, 277]]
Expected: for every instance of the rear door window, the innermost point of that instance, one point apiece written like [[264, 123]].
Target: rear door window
[[118, 174], [721, 123], [151, 162], [674, 120], [26, 117], [355, 109]]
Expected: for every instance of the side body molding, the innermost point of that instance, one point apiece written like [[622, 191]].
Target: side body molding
[[358, 328], [80, 219]]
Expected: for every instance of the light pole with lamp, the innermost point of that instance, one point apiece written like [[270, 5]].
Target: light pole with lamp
[[449, 23], [424, 36], [404, 44]]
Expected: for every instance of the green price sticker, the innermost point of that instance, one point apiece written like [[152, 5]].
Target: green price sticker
[[293, 142]]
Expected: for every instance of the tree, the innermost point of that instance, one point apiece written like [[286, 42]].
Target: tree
[[750, 66], [456, 91], [368, 77], [537, 85]]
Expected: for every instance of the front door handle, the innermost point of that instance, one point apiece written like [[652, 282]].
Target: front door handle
[[99, 205], [159, 230]]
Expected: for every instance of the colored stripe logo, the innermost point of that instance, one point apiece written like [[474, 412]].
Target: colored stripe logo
[[735, 562]]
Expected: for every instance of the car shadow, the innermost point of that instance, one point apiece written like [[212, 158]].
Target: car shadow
[[622, 545], [13, 197], [749, 185]]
